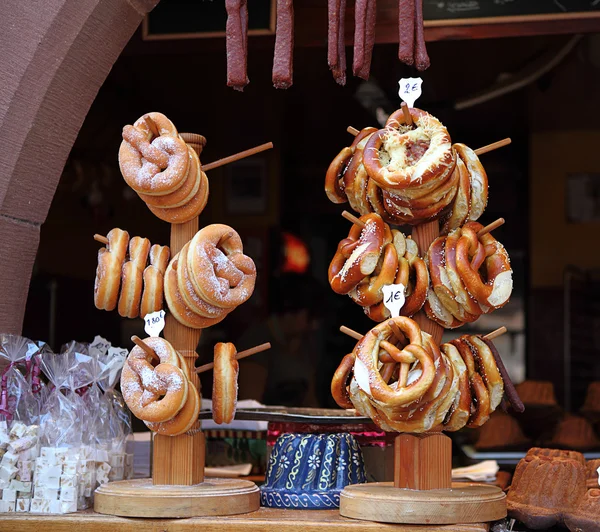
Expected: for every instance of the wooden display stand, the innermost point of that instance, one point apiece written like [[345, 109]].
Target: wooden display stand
[[178, 487], [423, 492]]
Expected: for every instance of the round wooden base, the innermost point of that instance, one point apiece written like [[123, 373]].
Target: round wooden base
[[141, 498], [463, 503]]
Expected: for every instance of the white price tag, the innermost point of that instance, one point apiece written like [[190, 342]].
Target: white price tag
[[598, 475], [101, 345], [393, 298], [154, 323], [410, 90]]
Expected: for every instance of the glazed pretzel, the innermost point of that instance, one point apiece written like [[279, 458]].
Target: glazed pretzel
[[357, 255]]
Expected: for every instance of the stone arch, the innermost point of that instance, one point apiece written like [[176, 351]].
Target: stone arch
[[55, 56]]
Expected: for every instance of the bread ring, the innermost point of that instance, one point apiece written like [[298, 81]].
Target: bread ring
[[108, 271], [183, 420], [154, 393], [436, 311], [461, 205], [496, 289], [220, 272], [355, 177], [485, 365], [181, 312], [369, 291], [341, 381], [154, 278], [460, 411], [399, 157], [133, 273], [357, 256], [334, 176], [478, 179], [154, 166], [188, 211], [225, 383]]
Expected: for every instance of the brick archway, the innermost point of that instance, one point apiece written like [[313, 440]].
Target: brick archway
[[55, 56]]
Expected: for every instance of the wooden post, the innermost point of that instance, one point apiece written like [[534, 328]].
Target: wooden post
[[179, 460]]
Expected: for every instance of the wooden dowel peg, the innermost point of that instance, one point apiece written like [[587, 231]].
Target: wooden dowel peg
[[147, 349], [493, 146], [353, 219], [351, 333], [489, 228], [100, 238], [396, 330], [494, 334], [352, 130], [242, 354], [152, 126], [406, 112], [237, 156]]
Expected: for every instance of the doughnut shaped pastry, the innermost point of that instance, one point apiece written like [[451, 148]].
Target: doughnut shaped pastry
[[154, 393], [220, 272], [478, 179], [151, 165], [184, 420], [493, 286], [401, 157], [225, 383], [108, 272], [154, 278], [357, 256], [133, 273]]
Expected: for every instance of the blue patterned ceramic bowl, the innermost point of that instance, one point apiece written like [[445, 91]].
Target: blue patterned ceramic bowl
[[309, 471]]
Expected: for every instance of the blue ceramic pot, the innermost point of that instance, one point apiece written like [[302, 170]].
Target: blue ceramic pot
[[309, 471]]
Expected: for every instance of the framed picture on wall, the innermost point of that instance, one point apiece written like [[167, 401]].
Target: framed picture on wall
[[583, 198], [246, 189]]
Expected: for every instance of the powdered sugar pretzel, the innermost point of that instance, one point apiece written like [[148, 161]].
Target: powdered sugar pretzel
[[153, 165], [400, 157], [154, 393], [496, 289], [225, 383], [357, 256], [154, 276], [133, 272], [221, 274], [108, 272], [478, 179], [184, 419]]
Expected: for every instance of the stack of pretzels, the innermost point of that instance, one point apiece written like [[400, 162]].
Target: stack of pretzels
[[375, 256], [209, 277], [470, 275], [157, 390], [409, 174], [404, 382], [164, 171], [137, 288]]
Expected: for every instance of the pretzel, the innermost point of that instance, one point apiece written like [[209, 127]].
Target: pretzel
[[369, 291], [154, 393], [225, 383], [459, 414], [108, 271], [341, 381], [408, 215], [221, 274], [152, 296], [399, 158], [133, 272], [478, 179], [335, 174], [488, 369], [355, 177], [435, 311], [154, 166], [357, 256], [495, 291], [461, 205], [183, 420]]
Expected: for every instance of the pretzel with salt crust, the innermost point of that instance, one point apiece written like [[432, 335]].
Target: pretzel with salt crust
[[357, 255], [133, 273], [478, 180], [461, 205], [154, 278], [399, 157], [341, 381], [154, 393], [153, 165], [370, 291], [486, 366], [495, 291], [460, 411], [220, 272], [225, 383], [108, 271], [355, 178]]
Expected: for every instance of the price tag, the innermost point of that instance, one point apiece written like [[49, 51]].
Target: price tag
[[410, 90], [598, 476], [100, 345], [393, 298], [154, 323]]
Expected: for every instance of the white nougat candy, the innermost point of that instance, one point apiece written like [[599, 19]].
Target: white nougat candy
[[9, 495], [55, 506], [70, 467], [102, 455], [61, 454], [50, 493], [4, 426], [22, 444], [68, 494], [19, 485], [32, 430], [24, 495], [68, 506], [39, 505], [23, 505], [9, 459], [8, 506], [17, 430], [117, 460], [7, 473], [68, 481], [4, 440]]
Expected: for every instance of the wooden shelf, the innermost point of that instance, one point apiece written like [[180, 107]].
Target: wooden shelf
[[264, 520]]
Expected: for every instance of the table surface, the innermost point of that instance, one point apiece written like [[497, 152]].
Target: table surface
[[264, 519]]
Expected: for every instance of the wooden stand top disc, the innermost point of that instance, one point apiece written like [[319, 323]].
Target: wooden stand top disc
[[463, 503], [141, 498]]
